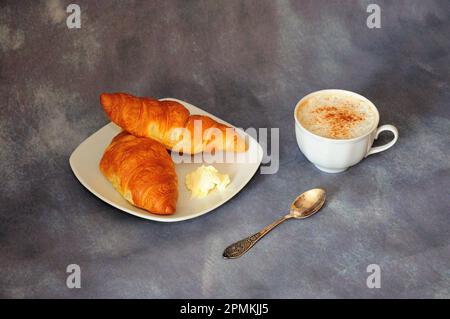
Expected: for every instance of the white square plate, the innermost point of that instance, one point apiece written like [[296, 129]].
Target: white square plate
[[85, 159]]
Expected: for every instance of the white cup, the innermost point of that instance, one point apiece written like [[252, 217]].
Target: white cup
[[336, 155]]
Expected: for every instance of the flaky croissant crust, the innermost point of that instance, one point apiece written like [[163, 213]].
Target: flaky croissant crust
[[171, 124], [142, 171]]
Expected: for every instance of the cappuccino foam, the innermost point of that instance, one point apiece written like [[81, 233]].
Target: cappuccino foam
[[336, 116]]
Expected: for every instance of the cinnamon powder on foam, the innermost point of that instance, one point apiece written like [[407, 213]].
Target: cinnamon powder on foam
[[339, 120]]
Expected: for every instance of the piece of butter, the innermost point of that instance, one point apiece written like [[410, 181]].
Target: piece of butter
[[204, 179]]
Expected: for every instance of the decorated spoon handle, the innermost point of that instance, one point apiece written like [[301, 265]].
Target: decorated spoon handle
[[241, 247]]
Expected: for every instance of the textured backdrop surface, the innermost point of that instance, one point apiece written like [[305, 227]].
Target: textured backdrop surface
[[247, 62]]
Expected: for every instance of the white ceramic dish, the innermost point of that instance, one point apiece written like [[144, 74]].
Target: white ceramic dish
[[86, 157]]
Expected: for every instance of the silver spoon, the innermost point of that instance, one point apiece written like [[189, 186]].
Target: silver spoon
[[304, 206]]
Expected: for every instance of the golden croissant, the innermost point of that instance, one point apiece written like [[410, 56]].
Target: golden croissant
[[142, 171], [171, 124]]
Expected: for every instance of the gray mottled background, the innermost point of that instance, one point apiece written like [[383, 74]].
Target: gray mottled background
[[248, 62]]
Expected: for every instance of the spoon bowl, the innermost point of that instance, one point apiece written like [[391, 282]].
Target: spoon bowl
[[308, 203]]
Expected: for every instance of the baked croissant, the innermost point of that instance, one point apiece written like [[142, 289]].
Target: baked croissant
[[171, 124], [142, 171]]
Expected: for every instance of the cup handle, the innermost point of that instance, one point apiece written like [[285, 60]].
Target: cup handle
[[384, 147]]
